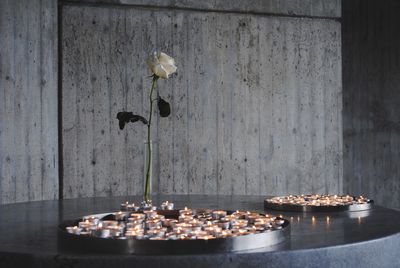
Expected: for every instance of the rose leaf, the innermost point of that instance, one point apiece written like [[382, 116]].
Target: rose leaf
[[126, 117], [163, 107]]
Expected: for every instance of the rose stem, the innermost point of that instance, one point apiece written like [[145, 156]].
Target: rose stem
[[149, 150]]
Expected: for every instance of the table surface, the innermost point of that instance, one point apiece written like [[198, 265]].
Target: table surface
[[31, 228]]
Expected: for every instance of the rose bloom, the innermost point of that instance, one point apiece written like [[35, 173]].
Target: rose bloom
[[161, 64]]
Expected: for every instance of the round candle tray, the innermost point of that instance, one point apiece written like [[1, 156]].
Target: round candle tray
[[83, 243], [285, 205]]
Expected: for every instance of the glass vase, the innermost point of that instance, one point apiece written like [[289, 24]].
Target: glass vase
[[148, 173]]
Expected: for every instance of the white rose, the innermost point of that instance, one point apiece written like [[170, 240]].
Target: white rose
[[161, 64]]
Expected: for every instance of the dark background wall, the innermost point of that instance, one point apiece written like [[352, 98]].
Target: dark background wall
[[371, 99]]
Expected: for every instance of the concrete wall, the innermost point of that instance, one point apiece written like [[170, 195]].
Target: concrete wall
[[309, 8], [256, 104], [217, 145], [28, 97], [371, 117]]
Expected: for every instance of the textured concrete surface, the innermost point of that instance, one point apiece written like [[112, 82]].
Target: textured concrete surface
[[371, 116], [256, 103], [28, 100], [315, 8], [28, 238], [201, 140]]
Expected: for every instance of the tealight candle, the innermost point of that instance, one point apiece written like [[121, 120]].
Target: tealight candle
[[224, 224], [180, 230], [147, 206], [137, 230], [167, 205], [262, 220], [279, 221], [252, 230], [183, 225], [158, 217], [124, 206], [105, 224], [120, 216], [135, 235], [171, 237], [192, 236], [150, 213], [138, 216], [204, 215], [133, 225], [101, 232], [212, 229], [169, 222], [86, 224], [206, 237], [230, 218], [242, 232], [261, 224], [196, 228], [115, 230], [183, 237], [92, 219], [74, 230], [185, 218], [185, 211], [195, 222], [218, 214], [135, 220], [224, 233], [133, 207], [200, 233], [276, 226], [151, 224], [128, 207], [240, 214], [156, 232], [240, 223], [157, 238], [252, 217]]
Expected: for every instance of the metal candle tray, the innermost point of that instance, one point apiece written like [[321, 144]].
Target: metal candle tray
[[91, 244], [310, 208]]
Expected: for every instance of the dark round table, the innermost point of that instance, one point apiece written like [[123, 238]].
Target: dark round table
[[28, 236]]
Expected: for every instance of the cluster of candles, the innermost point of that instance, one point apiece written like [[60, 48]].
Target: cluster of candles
[[185, 224], [318, 200]]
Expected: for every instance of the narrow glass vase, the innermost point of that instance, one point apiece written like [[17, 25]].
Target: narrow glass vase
[[148, 174]]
